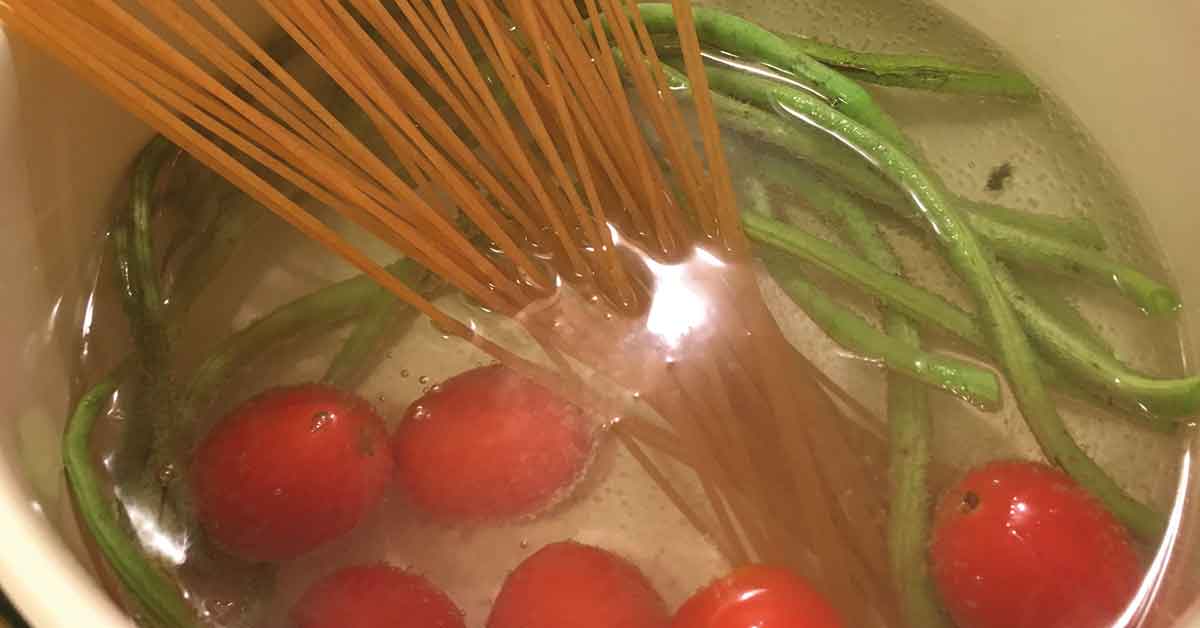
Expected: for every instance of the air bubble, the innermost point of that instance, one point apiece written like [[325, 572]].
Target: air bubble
[[166, 474]]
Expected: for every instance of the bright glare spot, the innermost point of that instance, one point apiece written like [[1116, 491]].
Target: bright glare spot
[[677, 308], [746, 596], [616, 235], [145, 524], [53, 319], [89, 315], [710, 259]]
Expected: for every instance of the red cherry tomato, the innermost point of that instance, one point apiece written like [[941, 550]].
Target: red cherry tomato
[[568, 585], [758, 597], [1020, 545], [375, 596], [289, 470], [489, 444]]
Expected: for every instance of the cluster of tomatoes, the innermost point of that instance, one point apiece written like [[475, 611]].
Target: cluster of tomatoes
[[1015, 545]]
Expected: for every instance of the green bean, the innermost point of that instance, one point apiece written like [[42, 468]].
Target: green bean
[[973, 384], [742, 37], [205, 260], [1011, 243], [909, 424], [909, 428], [383, 314], [1098, 368], [1075, 229], [157, 595], [142, 265], [934, 311], [990, 220], [917, 71], [141, 296], [157, 598], [212, 249], [349, 362], [1133, 393], [962, 379], [967, 256], [908, 525], [898, 293], [321, 309], [1035, 250], [743, 106], [764, 126], [1052, 301]]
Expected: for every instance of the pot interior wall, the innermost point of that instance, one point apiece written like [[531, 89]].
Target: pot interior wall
[[1123, 68]]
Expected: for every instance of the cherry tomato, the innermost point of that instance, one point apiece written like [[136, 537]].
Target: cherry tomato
[[289, 470], [375, 596], [489, 443], [758, 597], [1020, 545], [568, 585]]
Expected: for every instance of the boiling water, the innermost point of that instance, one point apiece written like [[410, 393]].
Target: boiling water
[[1054, 169]]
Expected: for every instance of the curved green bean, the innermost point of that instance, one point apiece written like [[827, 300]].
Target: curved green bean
[[990, 220], [897, 292], [917, 71], [1115, 383], [967, 256], [384, 313], [324, 308], [1035, 250], [742, 105], [1089, 363], [824, 152], [1012, 243], [1076, 229], [142, 300], [156, 593], [349, 362], [976, 385], [743, 37], [1057, 328], [213, 247], [1052, 301]]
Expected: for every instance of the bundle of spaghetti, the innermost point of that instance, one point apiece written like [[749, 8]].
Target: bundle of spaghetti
[[571, 195]]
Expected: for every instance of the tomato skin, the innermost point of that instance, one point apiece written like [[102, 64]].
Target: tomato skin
[[758, 597], [569, 585], [489, 444], [375, 596], [290, 470], [1020, 545]]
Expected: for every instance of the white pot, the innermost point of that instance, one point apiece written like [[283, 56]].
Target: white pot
[[1127, 70]]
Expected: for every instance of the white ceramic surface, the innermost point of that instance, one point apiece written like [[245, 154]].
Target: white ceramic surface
[[1125, 68]]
